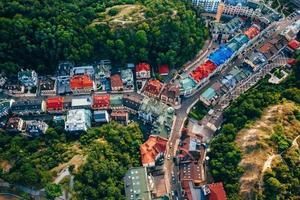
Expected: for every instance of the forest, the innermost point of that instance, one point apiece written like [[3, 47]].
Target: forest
[[110, 150], [38, 34], [224, 153]]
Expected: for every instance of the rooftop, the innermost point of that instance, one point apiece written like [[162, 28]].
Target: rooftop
[[47, 83], [101, 101], [217, 191], [55, 103], [136, 184], [81, 101], [81, 82], [152, 148], [163, 70], [153, 87], [142, 67], [116, 81]]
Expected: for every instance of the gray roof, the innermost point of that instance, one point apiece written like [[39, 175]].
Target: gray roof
[[136, 184]]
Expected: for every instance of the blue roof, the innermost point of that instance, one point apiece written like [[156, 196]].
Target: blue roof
[[221, 55]]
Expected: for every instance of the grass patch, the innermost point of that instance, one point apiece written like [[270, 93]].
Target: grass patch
[[198, 111]]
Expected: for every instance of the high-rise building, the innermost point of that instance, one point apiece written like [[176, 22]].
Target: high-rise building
[[220, 11], [207, 5]]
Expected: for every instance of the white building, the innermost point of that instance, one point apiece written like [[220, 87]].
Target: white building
[[28, 78], [240, 10], [89, 70], [207, 5], [78, 120]]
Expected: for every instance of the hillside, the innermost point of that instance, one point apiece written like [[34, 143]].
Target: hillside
[[39, 34], [263, 142]]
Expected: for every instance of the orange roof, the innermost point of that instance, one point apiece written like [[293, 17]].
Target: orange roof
[[81, 82], [265, 48], [101, 101], [217, 191], [153, 86], [294, 44], [116, 81], [142, 67], [55, 103], [251, 32], [151, 148]]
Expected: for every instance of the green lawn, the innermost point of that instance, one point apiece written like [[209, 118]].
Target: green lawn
[[198, 111]]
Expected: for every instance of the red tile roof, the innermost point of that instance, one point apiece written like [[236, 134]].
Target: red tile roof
[[292, 61], [116, 81], [186, 187], [294, 44], [55, 103], [251, 32], [152, 148], [217, 191], [163, 70], [153, 87], [203, 71], [101, 101], [142, 67], [81, 82]]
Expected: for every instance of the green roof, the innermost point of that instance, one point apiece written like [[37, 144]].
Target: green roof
[[116, 100], [136, 184], [187, 84], [209, 93]]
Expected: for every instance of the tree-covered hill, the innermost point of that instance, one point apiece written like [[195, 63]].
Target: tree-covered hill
[[37, 34]]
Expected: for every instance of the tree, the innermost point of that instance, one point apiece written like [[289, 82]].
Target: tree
[[52, 191]]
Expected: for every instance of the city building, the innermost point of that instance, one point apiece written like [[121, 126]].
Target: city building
[[256, 60], [221, 32], [294, 44], [171, 95], [252, 31], [153, 88], [143, 71], [136, 182], [240, 10], [192, 174], [64, 70], [153, 149], [158, 114], [116, 82], [187, 86], [220, 56], [84, 102], [15, 125], [78, 120], [82, 84], [163, 70], [101, 116], [36, 128], [216, 191], [101, 102], [14, 87], [83, 70], [207, 5], [48, 86], [132, 102], [220, 11], [28, 78], [63, 85], [5, 105], [59, 120], [127, 79], [120, 117], [291, 31], [55, 104], [203, 71], [103, 70], [272, 46], [116, 102], [3, 80], [25, 107]]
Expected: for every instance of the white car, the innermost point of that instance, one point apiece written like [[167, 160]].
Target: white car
[[169, 156]]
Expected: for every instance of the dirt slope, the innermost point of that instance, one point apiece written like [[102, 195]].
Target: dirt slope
[[257, 149]]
